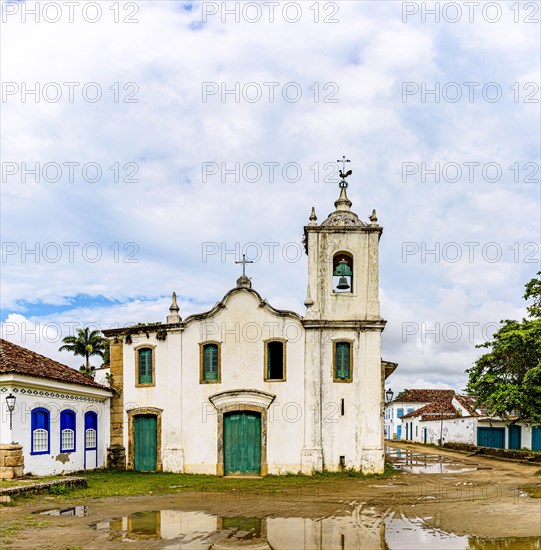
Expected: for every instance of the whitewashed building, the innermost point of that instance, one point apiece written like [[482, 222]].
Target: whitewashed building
[[406, 402], [59, 420], [249, 389], [455, 419]]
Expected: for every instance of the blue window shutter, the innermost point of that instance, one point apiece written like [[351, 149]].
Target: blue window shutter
[[40, 420], [67, 422], [91, 423]]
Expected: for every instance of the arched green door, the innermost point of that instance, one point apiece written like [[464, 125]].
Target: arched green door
[[145, 442], [242, 443]]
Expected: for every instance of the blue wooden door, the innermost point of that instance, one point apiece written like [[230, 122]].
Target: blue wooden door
[[515, 437], [398, 432], [242, 443], [536, 439], [424, 432], [491, 437]]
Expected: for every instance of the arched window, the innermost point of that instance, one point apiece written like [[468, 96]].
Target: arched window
[[67, 431], [40, 425], [210, 363], [144, 364], [342, 272], [91, 430]]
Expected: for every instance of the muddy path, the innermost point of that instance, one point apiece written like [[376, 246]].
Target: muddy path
[[474, 496]]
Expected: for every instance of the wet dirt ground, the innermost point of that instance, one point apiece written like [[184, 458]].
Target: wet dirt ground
[[437, 500]]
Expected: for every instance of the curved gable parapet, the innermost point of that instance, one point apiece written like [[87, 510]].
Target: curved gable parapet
[[222, 304]]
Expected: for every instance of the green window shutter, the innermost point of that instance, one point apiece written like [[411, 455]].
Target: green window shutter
[[145, 366], [210, 362], [343, 360]]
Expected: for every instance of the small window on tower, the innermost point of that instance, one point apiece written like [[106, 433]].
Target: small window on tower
[[342, 274], [342, 362], [275, 361]]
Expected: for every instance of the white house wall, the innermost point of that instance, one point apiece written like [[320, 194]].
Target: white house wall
[[55, 462]]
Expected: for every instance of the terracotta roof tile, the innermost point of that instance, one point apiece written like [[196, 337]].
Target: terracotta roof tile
[[14, 358], [423, 396]]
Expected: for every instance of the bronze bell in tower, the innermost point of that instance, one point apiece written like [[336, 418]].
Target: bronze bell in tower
[[342, 283]]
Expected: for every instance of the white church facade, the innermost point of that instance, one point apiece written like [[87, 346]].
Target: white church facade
[[249, 389]]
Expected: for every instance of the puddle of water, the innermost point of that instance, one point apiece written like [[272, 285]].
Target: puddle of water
[[76, 511], [420, 463], [365, 527]]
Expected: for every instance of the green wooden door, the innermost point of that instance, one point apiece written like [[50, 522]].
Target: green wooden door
[[242, 443], [144, 442], [515, 437]]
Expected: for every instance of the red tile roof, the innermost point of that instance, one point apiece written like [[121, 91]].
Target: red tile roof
[[468, 402], [423, 396], [434, 410], [14, 358]]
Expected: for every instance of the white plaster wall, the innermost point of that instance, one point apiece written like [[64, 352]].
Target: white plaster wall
[[393, 420], [358, 434], [242, 327], [459, 430], [56, 462], [189, 420], [526, 432]]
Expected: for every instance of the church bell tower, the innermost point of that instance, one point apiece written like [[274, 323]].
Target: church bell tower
[[343, 373]]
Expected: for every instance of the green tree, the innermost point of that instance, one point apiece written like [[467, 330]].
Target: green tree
[[507, 379], [86, 344]]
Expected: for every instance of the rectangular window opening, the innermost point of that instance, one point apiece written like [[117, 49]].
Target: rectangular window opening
[[275, 361], [342, 407], [342, 361], [210, 363], [342, 462]]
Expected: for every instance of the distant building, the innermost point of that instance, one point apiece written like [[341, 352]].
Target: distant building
[[454, 418], [407, 402], [60, 417]]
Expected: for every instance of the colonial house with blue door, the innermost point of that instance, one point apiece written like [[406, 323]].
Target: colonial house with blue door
[[54, 419], [406, 402], [249, 389]]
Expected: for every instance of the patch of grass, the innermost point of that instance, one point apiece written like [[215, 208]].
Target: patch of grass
[[58, 490], [11, 528], [538, 473], [113, 483], [532, 490]]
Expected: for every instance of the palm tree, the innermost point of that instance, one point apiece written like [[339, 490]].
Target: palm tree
[[85, 344]]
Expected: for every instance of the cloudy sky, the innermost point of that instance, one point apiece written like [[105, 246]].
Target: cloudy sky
[[146, 145]]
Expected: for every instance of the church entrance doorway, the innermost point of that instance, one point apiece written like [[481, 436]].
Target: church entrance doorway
[[145, 442], [242, 443]]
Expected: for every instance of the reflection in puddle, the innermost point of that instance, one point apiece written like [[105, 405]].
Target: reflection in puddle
[[420, 463], [77, 511], [364, 528]]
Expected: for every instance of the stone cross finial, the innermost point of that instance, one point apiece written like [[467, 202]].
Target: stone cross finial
[[244, 261]]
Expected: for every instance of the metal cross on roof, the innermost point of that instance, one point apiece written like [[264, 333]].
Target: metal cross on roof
[[343, 174], [244, 261]]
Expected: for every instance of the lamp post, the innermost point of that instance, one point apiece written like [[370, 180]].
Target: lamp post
[[10, 400], [389, 395], [441, 429]]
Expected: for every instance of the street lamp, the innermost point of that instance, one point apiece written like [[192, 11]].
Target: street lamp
[[389, 394], [10, 400]]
